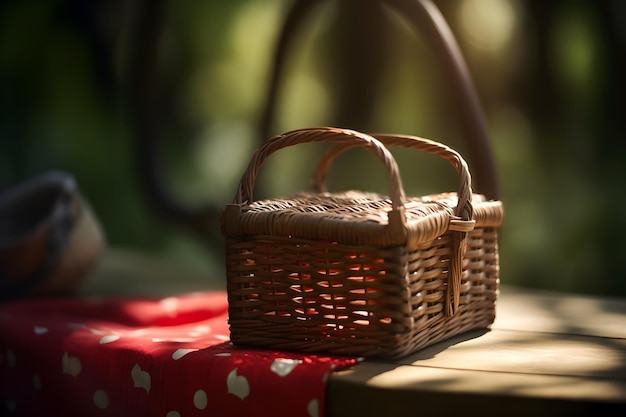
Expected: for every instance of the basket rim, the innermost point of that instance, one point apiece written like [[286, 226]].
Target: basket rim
[[287, 217]]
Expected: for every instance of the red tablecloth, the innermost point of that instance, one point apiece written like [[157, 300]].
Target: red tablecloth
[[143, 357]]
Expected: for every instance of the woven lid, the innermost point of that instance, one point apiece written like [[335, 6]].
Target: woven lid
[[355, 217]]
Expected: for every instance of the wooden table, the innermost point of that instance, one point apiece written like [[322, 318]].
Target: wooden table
[[547, 354]]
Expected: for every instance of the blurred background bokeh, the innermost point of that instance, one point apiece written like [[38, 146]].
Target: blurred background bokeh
[[550, 76]]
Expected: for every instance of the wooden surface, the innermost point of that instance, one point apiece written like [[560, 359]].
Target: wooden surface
[[547, 354]]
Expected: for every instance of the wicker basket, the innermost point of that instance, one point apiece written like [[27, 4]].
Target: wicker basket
[[358, 273]]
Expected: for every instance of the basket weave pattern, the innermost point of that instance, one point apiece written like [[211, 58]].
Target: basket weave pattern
[[358, 273]]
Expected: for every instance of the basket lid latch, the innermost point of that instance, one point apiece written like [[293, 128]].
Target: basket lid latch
[[459, 227]]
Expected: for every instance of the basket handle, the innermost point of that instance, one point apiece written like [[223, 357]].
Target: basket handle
[[345, 137], [464, 210]]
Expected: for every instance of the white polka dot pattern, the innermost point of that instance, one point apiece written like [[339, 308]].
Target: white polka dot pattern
[[109, 339], [71, 365], [101, 399], [179, 353], [313, 408], [40, 330], [133, 357], [200, 399], [141, 378], [237, 384]]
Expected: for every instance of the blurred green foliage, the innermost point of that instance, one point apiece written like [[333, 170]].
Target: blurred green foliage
[[550, 76]]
